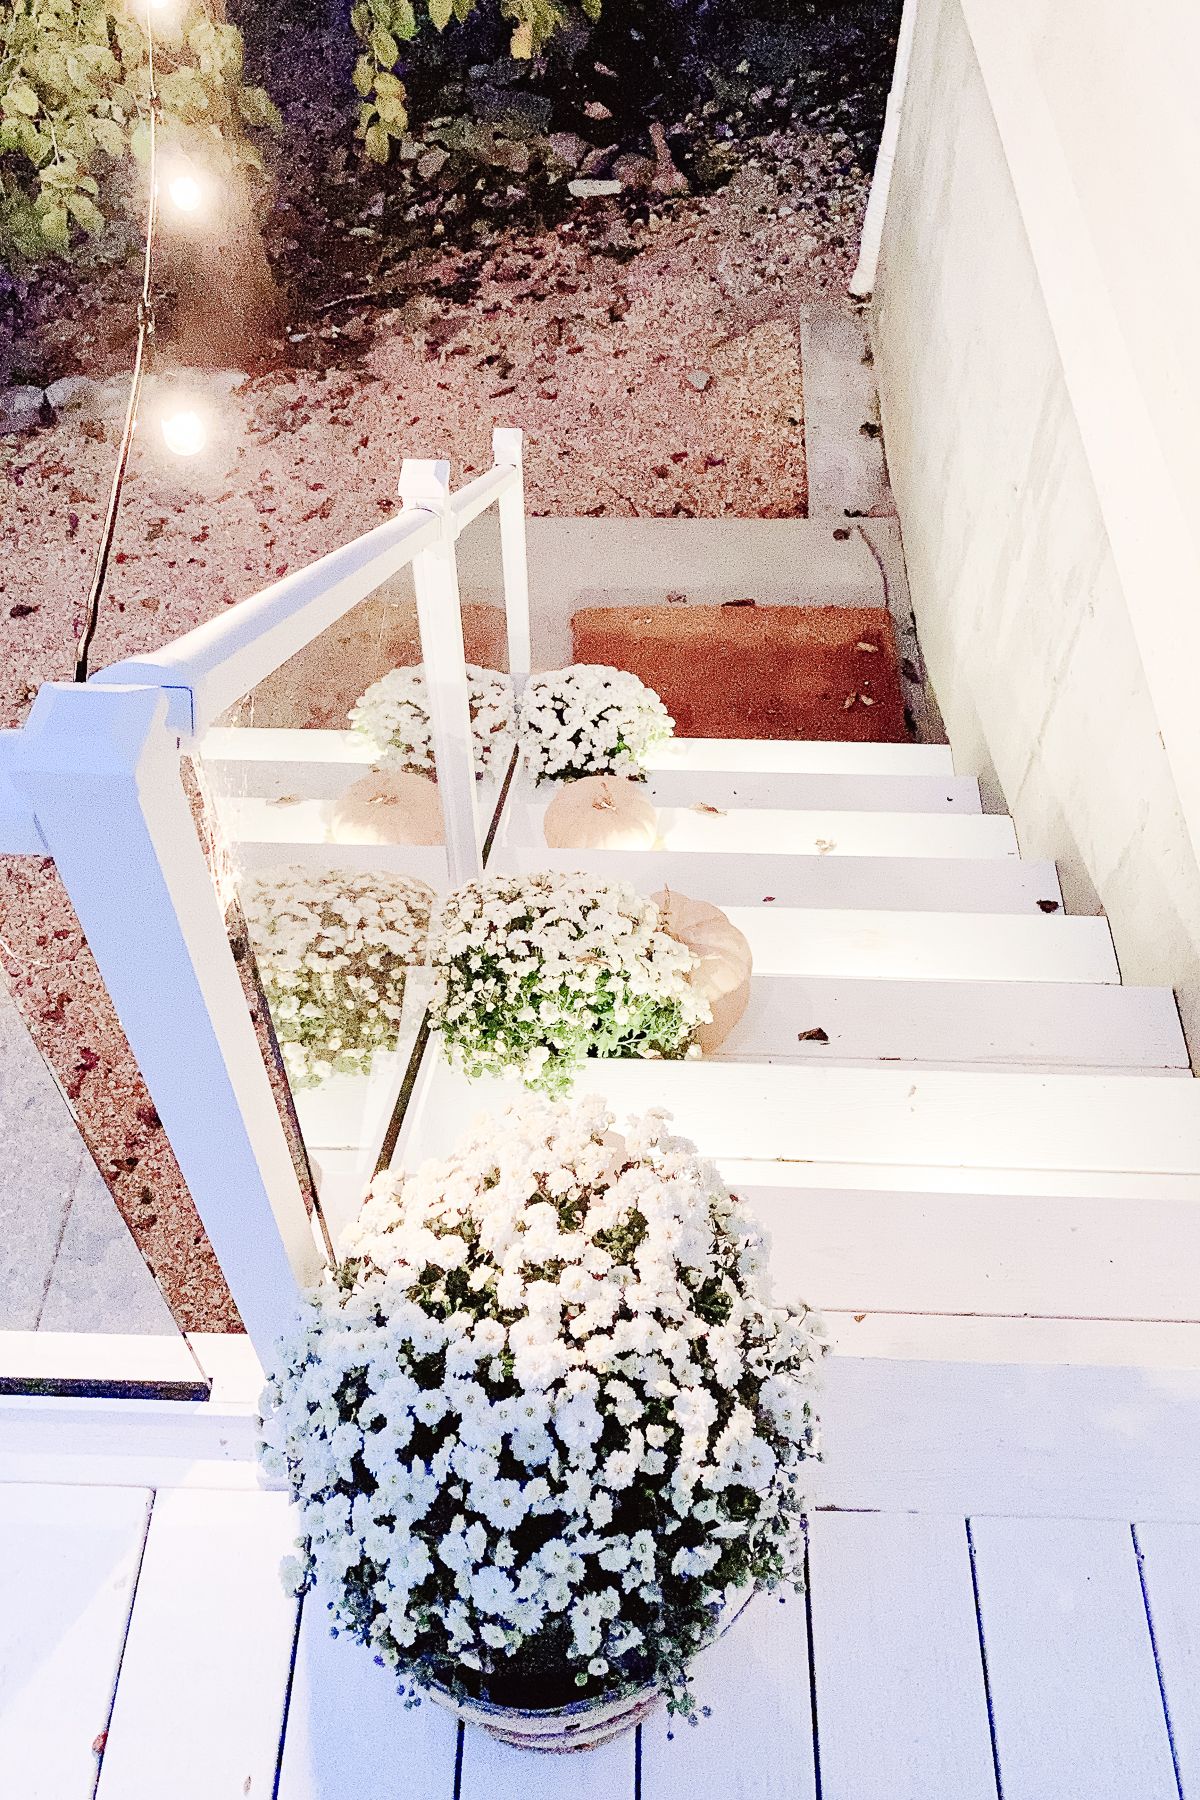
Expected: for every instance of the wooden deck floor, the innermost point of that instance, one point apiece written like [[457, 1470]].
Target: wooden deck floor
[[147, 1651]]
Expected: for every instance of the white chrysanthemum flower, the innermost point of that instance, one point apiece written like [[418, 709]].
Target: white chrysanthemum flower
[[536, 972], [394, 714], [491, 1483], [333, 948], [589, 719]]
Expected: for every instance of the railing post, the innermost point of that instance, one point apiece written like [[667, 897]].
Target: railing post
[[425, 487], [99, 768], [508, 453]]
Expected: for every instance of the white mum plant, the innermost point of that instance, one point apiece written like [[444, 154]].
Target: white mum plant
[[333, 950], [394, 714], [536, 972], [589, 719], [545, 1424]]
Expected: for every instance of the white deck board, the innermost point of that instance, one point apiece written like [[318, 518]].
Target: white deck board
[[199, 1708], [897, 883], [495, 1771], [802, 755], [349, 1735], [1170, 1561], [901, 1705], [1074, 1689], [68, 1566], [757, 1742], [1032, 1023], [926, 946], [836, 792]]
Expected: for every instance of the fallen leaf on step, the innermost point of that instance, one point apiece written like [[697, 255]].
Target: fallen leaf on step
[[98, 1743], [286, 800], [1048, 905], [704, 807], [816, 1034], [824, 846], [859, 1317], [848, 702], [767, 899]]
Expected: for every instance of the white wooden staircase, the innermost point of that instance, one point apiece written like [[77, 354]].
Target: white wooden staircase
[[980, 1154]]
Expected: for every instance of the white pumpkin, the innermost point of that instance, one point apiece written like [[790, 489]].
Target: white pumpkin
[[600, 812], [389, 807], [723, 975]]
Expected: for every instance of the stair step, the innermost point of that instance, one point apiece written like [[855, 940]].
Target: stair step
[[933, 946], [894, 883], [959, 1119], [1038, 1344], [1031, 1023], [1128, 1253], [806, 756], [795, 791], [759, 830]]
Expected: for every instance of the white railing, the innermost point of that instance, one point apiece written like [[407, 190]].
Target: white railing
[[94, 779]]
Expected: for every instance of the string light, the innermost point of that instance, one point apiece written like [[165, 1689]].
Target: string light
[[184, 432], [185, 189], [145, 332]]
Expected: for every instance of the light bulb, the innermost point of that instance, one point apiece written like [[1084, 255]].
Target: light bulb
[[185, 193], [184, 432]]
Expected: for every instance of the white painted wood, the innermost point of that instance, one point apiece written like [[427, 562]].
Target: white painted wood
[[19, 834], [803, 792], [799, 756], [1051, 1256], [199, 1706], [760, 830], [210, 667], [425, 863], [928, 946], [1139, 1344], [508, 452], [1032, 1023], [101, 768], [68, 1566], [1170, 1563], [896, 883], [494, 1771], [129, 1443], [1074, 1691], [757, 1743], [943, 1118], [425, 489], [901, 1704], [348, 1735], [97, 1357], [1026, 1439]]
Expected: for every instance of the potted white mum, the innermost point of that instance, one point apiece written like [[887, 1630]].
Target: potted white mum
[[393, 714], [334, 949], [589, 719], [536, 972], [544, 1425]]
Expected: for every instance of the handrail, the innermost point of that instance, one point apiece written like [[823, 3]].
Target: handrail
[[208, 668], [19, 834], [478, 495]]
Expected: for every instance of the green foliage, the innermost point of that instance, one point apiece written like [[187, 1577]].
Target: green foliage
[[384, 26], [74, 108]]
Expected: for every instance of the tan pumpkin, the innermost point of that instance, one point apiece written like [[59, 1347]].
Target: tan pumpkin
[[723, 975], [600, 812], [388, 807]]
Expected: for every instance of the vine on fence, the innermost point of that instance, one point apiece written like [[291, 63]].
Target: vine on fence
[[74, 109]]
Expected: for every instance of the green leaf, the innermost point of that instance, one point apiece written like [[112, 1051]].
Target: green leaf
[[386, 49], [441, 12], [404, 20], [364, 76], [257, 108], [23, 99], [377, 143], [55, 226], [85, 212]]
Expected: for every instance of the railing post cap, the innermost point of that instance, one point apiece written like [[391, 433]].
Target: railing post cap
[[425, 483], [508, 446]]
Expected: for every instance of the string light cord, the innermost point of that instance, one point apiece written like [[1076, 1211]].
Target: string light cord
[[145, 335]]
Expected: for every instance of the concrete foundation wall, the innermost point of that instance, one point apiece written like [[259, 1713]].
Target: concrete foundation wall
[[1035, 648]]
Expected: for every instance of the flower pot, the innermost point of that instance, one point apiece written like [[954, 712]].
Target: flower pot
[[556, 1730]]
